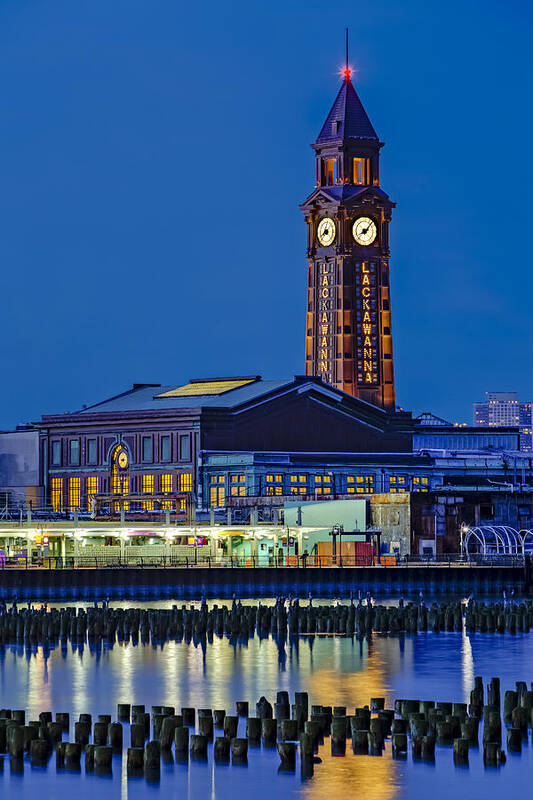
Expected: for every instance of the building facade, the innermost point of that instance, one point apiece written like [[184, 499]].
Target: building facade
[[502, 409], [348, 328], [148, 442]]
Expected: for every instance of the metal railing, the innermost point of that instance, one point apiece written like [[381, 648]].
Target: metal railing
[[254, 562]]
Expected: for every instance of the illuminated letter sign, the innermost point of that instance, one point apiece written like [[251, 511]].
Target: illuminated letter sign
[[366, 310], [325, 307]]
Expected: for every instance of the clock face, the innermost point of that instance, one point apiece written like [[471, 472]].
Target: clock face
[[122, 460], [364, 230], [326, 231]]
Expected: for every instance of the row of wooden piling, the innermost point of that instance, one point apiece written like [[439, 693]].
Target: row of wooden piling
[[163, 734], [30, 626]]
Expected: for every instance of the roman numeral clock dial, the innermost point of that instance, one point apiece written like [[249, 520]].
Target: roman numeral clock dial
[[326, 231], [364, 231]]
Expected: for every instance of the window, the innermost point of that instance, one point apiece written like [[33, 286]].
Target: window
[[185, 481], [364, 484], [328, 172], [56, 454], [148, 450], [74, 452], [361, 171], [217, 492], [300, 484], [92, 490], [385, 305], [165, 448], [166, 486], [92, 455], [238, 487], [185, 448], [148, 488], [166, 483], [56, 494], [73, 493], [274, 490]]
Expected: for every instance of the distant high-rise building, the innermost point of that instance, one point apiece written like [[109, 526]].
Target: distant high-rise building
[[504, 409]]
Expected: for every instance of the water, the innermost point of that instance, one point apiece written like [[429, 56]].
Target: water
[[335, 671]]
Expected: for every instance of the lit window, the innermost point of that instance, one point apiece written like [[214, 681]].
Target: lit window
[[401, 479], [416, 480], [360, 479], [148, 488], [331, 168], [294, 478], [56, 494], [166, 483], [217, 493], [185, 481], [73, 493], [302, 478], [318, 478], [92, 490], [270, 478], [392, 479], [349, 479], [424, 480], [350, 490], [361, 171], [239, 491], [279, 478], [327, 478]]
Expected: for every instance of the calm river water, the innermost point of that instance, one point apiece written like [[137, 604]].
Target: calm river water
[[335, 671]]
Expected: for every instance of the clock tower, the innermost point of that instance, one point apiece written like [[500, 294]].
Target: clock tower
[[349, 332]]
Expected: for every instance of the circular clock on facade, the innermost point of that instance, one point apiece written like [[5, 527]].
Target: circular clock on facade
[[364, 230], [326, 231], [122, 459]]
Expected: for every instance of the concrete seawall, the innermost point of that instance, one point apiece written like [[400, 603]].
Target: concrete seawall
[[184, 584]]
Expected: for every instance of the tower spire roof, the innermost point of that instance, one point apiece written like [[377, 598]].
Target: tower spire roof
[[347, 118]]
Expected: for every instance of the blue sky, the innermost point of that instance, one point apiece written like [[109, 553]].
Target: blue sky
[[153, 155]]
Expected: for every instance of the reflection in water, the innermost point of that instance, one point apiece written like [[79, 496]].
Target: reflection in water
[[334, 670], [371, 777]]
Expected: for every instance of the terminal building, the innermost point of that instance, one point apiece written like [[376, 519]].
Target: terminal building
[[245, 445]]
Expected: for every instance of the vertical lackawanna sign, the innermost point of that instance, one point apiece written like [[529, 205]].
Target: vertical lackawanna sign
[[325, 322]]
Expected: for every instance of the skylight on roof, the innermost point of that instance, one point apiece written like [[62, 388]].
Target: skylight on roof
[[207, 387]]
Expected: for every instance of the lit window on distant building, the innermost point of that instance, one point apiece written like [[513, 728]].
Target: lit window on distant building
[[238, 488], [92, 490], [74, 493], [361, 171], [364, 484], [56, 494], [167, 482], [217, 492], [185, 481], [148, 488], [300, 486]]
